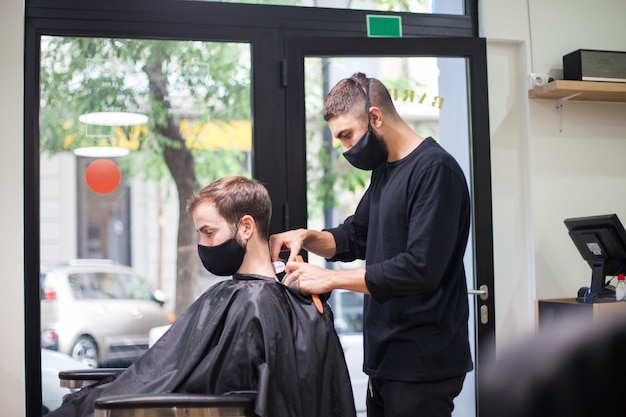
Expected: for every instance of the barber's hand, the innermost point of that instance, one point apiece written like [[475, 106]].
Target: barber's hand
[[310, 279], [290, 240]]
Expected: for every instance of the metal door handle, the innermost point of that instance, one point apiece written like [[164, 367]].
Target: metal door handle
[[482, 291]]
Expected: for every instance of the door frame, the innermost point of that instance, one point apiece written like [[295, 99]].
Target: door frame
[[474, 50], [264, 27]]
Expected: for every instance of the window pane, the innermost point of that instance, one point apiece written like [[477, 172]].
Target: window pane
[[129, 129], [412, 6], [133, 101]]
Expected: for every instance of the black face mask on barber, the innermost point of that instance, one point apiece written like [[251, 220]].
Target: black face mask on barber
[[223, 259], [368, 153]]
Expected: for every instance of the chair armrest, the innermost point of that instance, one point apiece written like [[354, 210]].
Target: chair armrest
[[81, 378]]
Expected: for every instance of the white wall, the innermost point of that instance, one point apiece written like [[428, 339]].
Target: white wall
[[11, 220], [542, 175]]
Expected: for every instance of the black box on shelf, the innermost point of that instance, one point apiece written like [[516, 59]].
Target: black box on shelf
[[592, 65]]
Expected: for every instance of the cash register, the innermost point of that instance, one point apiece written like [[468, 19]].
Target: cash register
[[601, 241]]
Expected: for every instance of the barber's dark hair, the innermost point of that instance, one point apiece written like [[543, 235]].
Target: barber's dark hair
[[345, 97], [234, 197]]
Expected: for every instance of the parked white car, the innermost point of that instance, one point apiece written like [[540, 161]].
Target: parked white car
[[98, 312]]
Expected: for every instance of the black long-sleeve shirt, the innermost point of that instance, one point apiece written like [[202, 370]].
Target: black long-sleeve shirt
[[411, 227]]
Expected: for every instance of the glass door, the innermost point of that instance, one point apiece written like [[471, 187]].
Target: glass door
[[432, 93]]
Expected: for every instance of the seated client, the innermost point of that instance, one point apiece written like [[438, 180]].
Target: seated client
[[249, 333]]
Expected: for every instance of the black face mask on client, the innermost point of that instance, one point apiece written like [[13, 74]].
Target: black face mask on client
[[224, 259], [367, 153]]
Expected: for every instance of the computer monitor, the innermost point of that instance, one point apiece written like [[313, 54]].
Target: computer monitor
[[601, 241]]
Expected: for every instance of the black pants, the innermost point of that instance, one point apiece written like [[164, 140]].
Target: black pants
[[387, 398]]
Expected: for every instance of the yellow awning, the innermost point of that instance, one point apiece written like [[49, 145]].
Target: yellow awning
[[232, 135]]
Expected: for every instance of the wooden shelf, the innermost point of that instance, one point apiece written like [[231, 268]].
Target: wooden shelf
[[580, 91], [547, 311]]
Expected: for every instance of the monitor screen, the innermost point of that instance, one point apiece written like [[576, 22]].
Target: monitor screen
[[601, 241]]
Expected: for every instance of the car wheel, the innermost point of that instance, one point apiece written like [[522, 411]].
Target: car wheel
[[86, 351]]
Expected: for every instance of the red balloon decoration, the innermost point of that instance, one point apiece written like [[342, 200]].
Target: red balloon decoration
[[102, 176]]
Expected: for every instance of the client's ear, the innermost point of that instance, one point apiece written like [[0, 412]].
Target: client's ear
[[248, 226]]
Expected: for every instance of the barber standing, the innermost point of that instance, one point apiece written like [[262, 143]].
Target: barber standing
[[411, 227]]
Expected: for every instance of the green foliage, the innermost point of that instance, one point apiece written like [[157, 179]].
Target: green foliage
[[191, 80], [211, 165], [329, 175]]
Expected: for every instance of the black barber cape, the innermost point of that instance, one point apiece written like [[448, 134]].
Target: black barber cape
[[250, 333]]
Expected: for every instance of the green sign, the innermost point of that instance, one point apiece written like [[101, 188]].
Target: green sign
[[384, 26]]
